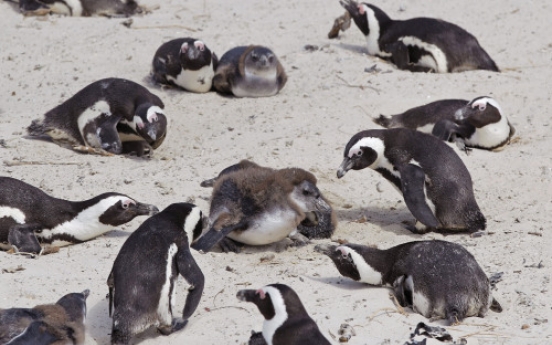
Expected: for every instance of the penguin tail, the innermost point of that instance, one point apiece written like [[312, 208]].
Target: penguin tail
[[495, 306], [382, 120], [36, 128]]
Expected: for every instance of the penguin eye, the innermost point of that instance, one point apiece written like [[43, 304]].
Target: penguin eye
[[306, 192], [271, 59], [358, 154], [254, 57], [38, 231], [482, 107], [125, 205]]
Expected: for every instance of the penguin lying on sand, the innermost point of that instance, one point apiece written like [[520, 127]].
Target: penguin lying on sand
[[186, 63], [317, 224], [46, 324], [437, 279], [419, 44], [88, 120], [475, 124], [142, 280], [286, 319], [257, 206], [29, 217], [141, 136], [436, 186], [85, 8]]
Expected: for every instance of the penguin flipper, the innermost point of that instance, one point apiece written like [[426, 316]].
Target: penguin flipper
[[412, 186], [189, 269], [400, 56], [495, 306], [206, 242]]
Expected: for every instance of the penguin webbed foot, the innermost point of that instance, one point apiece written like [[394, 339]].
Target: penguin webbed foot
[[298, 240], [176, 325], [256, 339], [228, 245]]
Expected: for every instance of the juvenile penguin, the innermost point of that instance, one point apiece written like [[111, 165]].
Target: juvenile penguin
[[29, 217], [252, 71], [186, 63], [419, 44], [142, 135], [59, 323], [85, 8], [89, 119], [317, 224], [435, 183], [258, 206], [437, 279], [286, 319], [479, 123], [142, 280]]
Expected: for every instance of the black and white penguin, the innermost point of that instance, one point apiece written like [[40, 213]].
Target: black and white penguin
[[252, 71], [435, 183], [142, 135], [479, 123], [186, 63], [109, 8], [46, 324], [286, 319], [29, 217], [258, 206], [90, 117], [437, 279], [419, 44], [317, 224], [141, 282]]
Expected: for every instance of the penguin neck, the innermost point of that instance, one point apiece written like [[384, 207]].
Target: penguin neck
[[378, 21], [373, 265]]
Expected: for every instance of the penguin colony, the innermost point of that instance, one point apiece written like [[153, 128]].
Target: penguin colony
[[256, 205]]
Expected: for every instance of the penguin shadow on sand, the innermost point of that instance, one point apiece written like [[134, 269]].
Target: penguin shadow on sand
[[360, 50]]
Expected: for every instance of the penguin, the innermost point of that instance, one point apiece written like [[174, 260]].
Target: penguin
[[419, 44], [317, 224], [85, 8], [435, 183], [89, 119], [286, 319], [252, 71], [29, 217], [141, 136], [185, 62], [478, 123], [258, 206], [142, 280], [437, 279], [55, 324]]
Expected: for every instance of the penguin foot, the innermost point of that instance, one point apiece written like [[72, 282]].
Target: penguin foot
[[299, 240], [228, 245], [256, 339]]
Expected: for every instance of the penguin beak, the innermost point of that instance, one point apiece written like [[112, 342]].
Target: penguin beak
[[246, 295], [322, 205], [146, 209], [326, 249], [345, 166], [152, 133], [86, 293]]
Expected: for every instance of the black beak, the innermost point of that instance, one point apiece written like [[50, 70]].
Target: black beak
[[345, 166], [146, 209], [246, 295], [326, 249]]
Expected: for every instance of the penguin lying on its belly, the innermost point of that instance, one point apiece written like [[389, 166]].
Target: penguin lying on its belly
[[475, 124], [257, 206], [419, 44], [317, 224], [85, 8], [437, 279], [29, 217], [436, 185]]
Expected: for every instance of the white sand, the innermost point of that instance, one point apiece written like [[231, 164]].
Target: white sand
[[328, 98]]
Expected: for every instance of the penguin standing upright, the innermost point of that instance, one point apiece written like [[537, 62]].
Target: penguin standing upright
[[436, 185], [438, 279], [419, 44], [142, 280], [286, 319]]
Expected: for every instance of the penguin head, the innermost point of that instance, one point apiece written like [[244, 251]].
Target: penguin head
[[303, 189], [357, 262], [365, 16], [274, 300], [116, 209], [194, 54], [260, 62], [342, 259], [481, 111], [75, 305], [150, 123], [362, 151]]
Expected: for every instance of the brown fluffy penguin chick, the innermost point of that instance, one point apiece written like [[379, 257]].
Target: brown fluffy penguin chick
[[258, 206]]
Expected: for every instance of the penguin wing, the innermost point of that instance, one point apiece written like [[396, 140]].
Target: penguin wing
[[189, 269], [412, 186], [448, 130], [206, 242]]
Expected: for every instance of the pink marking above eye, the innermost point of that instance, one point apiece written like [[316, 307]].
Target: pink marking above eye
[[482, 105], [342, 250], [184, 47], [153, 117], [353, 152], [200, 45], [261, 293], [361, 9]]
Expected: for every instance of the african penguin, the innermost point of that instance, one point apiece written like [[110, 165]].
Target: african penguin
[[419, 44], [317, 224], [108, 8], [437, 279], [142, 280], [91, 116], [186, 63], [252, 71], [142, 135], [479, 123], [258, 206], [286, 319], [59, 323], [435, 183], [29, 217]]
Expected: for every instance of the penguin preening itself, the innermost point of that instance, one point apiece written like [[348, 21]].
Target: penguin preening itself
[[437, 279], [89, 119], [478, 123], [435, 183], [317, 224], [257, 206], [419, 44], [142, 280], [142, 135], [29, 217], [249, 71], [85, 8], [185, 62], [61, 323], [286, 319]]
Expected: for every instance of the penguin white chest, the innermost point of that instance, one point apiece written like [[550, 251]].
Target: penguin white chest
[[269, 228], [256, 86], [490, 136], [199, 81]]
